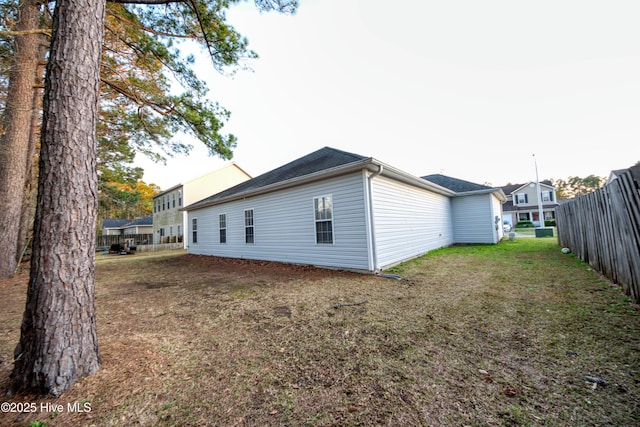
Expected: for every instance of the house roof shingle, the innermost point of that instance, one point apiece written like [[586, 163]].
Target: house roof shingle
[[114, 223], [455, 184], [510, 188], [147, 220], [322, 159]]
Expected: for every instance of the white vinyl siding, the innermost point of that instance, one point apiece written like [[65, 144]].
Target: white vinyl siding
[[474, 219], [284, 226], [408, 221]]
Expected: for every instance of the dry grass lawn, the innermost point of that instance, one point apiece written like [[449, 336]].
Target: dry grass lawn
[[473, 336]]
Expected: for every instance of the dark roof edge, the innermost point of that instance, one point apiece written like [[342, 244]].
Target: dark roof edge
[[326, 173], [370, 163], [163, 192], [498, 191]]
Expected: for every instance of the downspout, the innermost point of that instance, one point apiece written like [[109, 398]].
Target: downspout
[[372, 232]]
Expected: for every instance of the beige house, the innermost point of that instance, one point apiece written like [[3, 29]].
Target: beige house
[[169, 221], [522, 202]]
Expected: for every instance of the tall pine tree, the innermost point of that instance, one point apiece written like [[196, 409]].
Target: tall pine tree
[[58, 342]]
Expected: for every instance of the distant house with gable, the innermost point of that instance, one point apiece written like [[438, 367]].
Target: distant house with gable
[[522, 202], [133, 231], [139, 226], [169, 220], [113, 226]]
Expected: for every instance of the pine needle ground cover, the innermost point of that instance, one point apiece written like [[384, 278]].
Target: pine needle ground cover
[[516, 334]]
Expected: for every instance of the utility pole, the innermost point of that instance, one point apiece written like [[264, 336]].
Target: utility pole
[[540, 213]]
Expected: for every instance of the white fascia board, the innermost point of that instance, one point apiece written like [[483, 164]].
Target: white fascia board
[[370, 164]]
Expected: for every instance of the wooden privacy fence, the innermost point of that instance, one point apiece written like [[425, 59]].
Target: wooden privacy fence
[[603, 229]]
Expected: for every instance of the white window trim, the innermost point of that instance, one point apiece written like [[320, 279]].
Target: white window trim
[[524, 198], [253, 226], [315, 221], [226, 234], [196, 230]]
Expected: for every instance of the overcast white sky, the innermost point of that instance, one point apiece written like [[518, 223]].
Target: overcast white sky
[[467, 88]]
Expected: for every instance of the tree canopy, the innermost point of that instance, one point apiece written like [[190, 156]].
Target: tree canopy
[[58, 343], [150, 95], [576, 186]]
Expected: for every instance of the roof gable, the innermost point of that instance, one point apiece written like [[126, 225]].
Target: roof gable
[[323, 159], [512, 188]]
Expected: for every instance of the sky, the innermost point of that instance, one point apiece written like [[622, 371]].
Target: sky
[[470, 89]]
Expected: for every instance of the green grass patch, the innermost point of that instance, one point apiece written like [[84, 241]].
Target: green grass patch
[[487, 335]]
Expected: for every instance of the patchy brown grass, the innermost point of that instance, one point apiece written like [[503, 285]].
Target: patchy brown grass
[[480, 335]]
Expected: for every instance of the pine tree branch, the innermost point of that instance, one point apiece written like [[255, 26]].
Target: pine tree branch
[[152, 31], [151, 2], [9, 33]]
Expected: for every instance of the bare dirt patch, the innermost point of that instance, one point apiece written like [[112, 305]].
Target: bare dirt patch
[[494, 336]]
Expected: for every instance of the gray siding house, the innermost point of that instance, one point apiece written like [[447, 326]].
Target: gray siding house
[[476, 210], [336, 209]]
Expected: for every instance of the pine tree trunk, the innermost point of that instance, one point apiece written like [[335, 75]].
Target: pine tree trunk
[[14, 145], [58, 342], [25, 232]]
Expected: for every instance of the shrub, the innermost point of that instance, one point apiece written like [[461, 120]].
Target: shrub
[[549, 222], [524, 224]]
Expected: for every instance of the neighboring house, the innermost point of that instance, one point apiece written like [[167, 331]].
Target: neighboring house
[[139, 226], [136, 231], [522, 202], [336, 209], [169, 220], [113, 227]]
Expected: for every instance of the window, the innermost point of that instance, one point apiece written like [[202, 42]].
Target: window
[[174, 200], [524, 216], [324, 219], [179, 230], [194, 230], [171, 230], [179, 198], [521, 198], [547, 196], [222, 219], [248, 226]]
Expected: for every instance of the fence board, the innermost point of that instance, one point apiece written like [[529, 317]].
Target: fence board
[[603, 229]]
